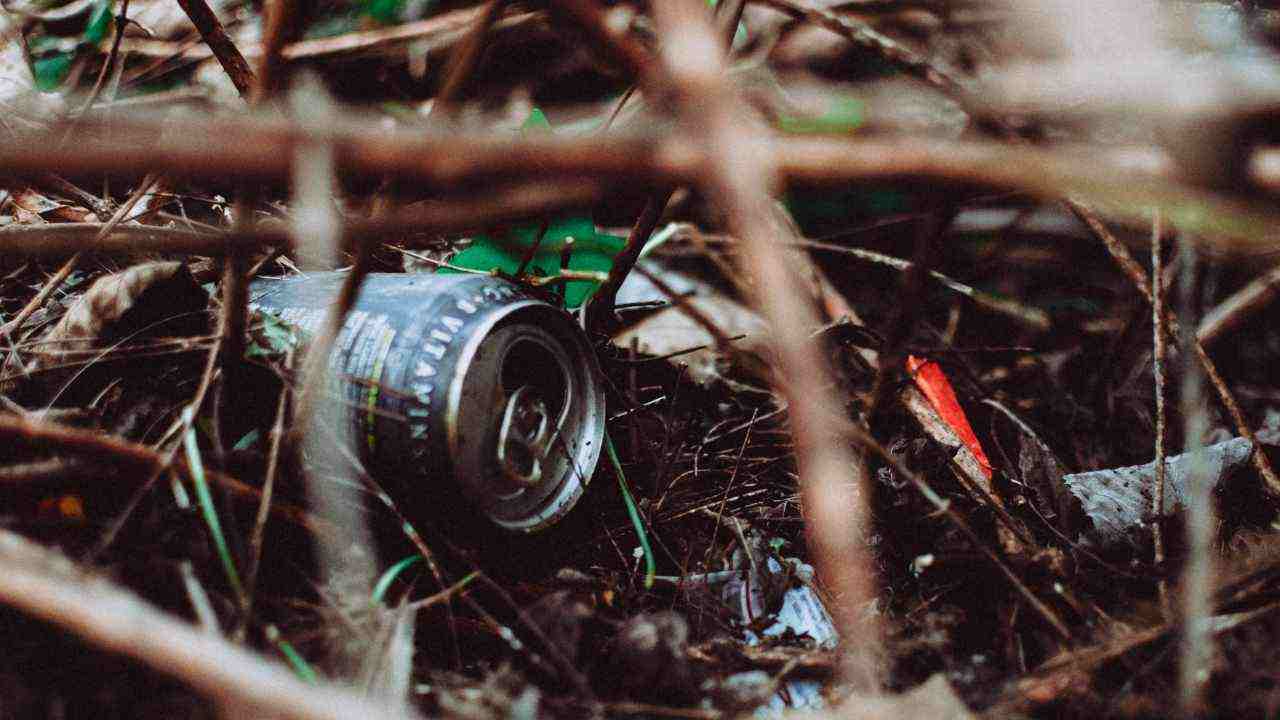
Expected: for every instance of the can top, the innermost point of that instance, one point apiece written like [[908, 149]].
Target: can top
[[526, 416]]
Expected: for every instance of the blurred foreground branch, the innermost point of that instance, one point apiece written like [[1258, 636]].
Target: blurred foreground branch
[[45, 584], [834, 483], [1125, 184]]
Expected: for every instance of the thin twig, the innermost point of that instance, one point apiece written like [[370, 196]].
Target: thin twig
[[220, 44], [1157, 370], [115, 452], [439, 216], [463, 60], [1243, 304], [436, 33], [532, 250], [619, 49], [944, 506], [1138, 276], [50, 286], [234, 318], [1030, 317], [282, 23], [406, 526], [728, 15], [61, 186], [600, 313], [318, 225], [864, 35], [901, 316], [601, 307], [122, 19], [268, 490], [722, 339], [1118, 185]]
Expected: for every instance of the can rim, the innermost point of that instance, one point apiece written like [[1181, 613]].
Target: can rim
[[589, 448]]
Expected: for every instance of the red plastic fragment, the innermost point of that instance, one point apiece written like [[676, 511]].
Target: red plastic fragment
[[937, 388]]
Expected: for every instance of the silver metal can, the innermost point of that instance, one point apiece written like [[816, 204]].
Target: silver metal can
[[466, 379]]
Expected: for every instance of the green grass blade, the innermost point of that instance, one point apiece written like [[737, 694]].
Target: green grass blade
[[388, 577], [651, 565], [291, 655], [205, 500]]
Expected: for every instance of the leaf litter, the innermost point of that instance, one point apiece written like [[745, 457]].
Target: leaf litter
[[691, 591]]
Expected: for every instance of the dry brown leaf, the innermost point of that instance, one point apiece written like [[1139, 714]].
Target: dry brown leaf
[[33, 207], [92, 320]]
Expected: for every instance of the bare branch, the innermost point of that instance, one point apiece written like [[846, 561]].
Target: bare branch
[[833, 479], [1126, 185], [45, 584], [215, 36]]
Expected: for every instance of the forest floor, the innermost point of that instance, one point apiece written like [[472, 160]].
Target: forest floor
[[970, 283]]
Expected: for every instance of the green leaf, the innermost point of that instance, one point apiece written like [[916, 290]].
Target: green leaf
[[205, 500], [249, 440], [51, 71], [591, 252], [299, 664], [388, 577], [386, 12]]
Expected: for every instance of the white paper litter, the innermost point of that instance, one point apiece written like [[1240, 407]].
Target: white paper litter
[[802, 612]]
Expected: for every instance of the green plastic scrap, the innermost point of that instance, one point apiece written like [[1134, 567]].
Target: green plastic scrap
[[590, 251], [99, 22], [536, 122], [51, 71]]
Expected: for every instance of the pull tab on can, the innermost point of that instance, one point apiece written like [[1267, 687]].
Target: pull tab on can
[[524, 438]]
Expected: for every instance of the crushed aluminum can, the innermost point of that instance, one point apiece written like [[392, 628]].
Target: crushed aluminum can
[[463, 378]]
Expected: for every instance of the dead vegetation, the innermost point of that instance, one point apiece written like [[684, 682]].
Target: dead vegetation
[[895, 301]]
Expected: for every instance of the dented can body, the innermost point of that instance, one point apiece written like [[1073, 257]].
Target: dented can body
[[459, 379]]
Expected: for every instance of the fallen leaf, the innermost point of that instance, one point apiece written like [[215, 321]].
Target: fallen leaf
[[1118, 500], [1042, 472], [972, 470], [34, 207], [97, 317]]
